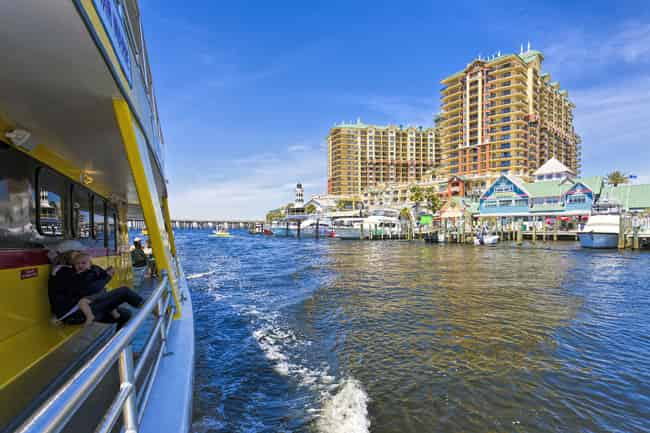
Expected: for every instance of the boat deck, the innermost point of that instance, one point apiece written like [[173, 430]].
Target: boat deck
[[41, 381]]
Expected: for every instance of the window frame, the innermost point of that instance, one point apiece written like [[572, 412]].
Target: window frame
[[37, 199], [104, 214], [91, 211]]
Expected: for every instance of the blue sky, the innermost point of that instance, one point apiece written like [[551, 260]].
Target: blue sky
[[248, 90]]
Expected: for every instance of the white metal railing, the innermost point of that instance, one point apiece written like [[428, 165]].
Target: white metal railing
[[57, 411]]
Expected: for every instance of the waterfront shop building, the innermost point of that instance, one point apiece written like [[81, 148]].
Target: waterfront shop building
[[503, 115], [360, 156], [458, 211], [633, 199], [555, 195]]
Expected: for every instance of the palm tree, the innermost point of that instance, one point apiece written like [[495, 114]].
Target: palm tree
[[310, 208], [405, 213], [433, 201], [417, 195], [616, 178]]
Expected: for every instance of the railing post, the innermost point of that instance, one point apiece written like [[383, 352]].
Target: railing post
[[129, 413]]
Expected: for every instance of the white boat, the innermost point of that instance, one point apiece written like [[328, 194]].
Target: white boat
[[490, 239], [315, 227], [382, 222], [348, 228], [601, 231], [309, 227]]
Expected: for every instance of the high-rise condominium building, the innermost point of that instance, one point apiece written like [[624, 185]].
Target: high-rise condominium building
[[503, 115], [360, 156]]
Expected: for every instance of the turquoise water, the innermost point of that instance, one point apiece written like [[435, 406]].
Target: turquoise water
[[349, 336]]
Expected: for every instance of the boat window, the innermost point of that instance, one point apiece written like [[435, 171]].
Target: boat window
[[111, 229], [16, 199], [99, 221], [81, 215], [51, 203]]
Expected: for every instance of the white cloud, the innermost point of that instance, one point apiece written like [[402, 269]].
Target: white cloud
[[250, 186], [613, 123], [296, 148], [577, 53], [612, 98]]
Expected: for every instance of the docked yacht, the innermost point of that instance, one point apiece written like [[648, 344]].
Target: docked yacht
[[601, 231], [81, 154], [348, 228], [315, 227], [382, 222], [308, 227]]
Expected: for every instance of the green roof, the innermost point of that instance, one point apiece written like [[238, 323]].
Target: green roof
[[464, 202], [628, 196], [549, 188], [530, 55], [594, 183], [556, 188], [552, 207]]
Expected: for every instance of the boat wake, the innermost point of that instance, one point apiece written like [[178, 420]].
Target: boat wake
[[343, 404], [200, 275], [346, 411]]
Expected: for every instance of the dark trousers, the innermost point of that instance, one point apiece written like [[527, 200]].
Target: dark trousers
[[107, 302], [111, 300]]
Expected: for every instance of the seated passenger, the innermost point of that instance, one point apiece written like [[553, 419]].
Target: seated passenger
[[78, 295], [92, 282]]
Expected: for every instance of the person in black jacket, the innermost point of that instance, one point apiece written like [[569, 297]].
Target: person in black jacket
[[78, 294]]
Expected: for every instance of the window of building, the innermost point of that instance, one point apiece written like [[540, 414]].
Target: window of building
[[504, 203], [503, 187], [51, 203], [81, 213], [490, 203], [577, 198], [520, 202]]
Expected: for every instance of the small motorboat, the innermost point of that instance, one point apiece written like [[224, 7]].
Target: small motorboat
[[220, 233], [601, 231], [257, 230], [489, 239]]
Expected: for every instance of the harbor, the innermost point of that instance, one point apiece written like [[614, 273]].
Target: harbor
[[355, 336], [312, 217]]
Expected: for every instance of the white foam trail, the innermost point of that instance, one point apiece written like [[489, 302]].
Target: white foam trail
[[344, 407], [346, 411], [199, 275]]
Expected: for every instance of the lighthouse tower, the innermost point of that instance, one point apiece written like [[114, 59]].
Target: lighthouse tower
[[300, 196]]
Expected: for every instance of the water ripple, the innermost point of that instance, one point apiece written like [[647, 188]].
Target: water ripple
[[335, 336]]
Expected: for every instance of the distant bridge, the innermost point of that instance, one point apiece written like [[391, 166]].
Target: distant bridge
[[200, 224]]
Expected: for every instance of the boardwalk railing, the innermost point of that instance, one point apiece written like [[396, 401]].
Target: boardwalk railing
[[58, 410]]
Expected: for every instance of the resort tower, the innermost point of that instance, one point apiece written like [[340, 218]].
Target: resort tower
[[361, 155], [503, 115]]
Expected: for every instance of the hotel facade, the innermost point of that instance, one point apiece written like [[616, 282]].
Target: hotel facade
[[505, 116], [361, 156]]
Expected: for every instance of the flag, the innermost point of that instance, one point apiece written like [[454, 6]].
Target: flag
[[632, 176]]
